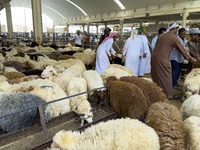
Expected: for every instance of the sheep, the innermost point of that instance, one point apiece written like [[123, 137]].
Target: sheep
[[12, 75], [20, 54], [45, 89], [35, 56], [126, 69], [191, 107], [127, 99], [54, 56], [21, 45], [10, 69], [65, 77], [3, 53], [15, 64], [45, 49], [196, 64], [94, 81], [79, 104], [33, 44], [70, 62], [28, 65], [11, 103], [65, 57], [24, 79], [3, 59], [33, 72], [151, 91], [86, 58], [113, 72], [191, 84], [120, 134], [166, 120], [192, 131]]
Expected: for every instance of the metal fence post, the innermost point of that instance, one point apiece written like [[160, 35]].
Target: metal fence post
[[43, 122]]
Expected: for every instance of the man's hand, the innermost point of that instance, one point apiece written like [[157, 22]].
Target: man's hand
[[116, 54], [144, 55], [140, 57], [110, 58], [192, 59]]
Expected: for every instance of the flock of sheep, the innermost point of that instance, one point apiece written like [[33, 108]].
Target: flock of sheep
[[28, 80]]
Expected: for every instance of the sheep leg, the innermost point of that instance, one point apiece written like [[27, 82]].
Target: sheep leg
[[82, 121]]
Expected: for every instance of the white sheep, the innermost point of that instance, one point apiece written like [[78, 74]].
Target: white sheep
[[69, 63], [191, 84], [86, 58], [192, 130], [126, 69], [118, 73], [45, 89], [65, 77], [94, 81], [21, 44], [79, 104], [120, 134], [191, 107]]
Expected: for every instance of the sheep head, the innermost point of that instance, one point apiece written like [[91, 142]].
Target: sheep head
[[49, 71], [85, 111], [26, 65]]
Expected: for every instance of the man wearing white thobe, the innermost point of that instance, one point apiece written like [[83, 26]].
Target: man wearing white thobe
[[145, 66], [133, 52], [103, 53]]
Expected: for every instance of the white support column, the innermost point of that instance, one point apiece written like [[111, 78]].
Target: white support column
[[88, 27], [53, 28], [106, 24], [185, 15], [67, 28], [37, 20], [97, 28], [83, 27], [121, 26], [9, 19]]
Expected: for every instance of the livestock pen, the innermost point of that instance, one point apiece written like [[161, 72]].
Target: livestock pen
[[33, 136]]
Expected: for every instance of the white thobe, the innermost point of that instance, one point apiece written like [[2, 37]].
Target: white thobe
[[133, 50], [145, 66], [102, 60]]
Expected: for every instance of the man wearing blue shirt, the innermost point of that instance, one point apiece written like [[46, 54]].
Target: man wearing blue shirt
[[153, 42], [177, 59]]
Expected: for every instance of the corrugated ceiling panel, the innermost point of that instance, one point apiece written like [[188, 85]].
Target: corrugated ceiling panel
[[182, 4], [166, 6], [139, 3], [97, 6], [152, 8], [140, 9]]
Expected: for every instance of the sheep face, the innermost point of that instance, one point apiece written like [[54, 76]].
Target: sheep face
[[49, 71], [85, 112]]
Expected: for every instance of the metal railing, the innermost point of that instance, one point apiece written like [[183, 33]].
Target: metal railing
[[40, 112]]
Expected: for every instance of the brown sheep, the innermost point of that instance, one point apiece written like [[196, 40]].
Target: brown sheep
[[31, 51], [54, 56], [24, 79], [166, 120], [20, 54], [12, 75], [15, 64], [65, 57], [3, 53], [26, 65], [151, 91], [196, 64], [127, 99]]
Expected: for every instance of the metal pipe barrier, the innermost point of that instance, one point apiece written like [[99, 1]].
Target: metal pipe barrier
[[41, 113]]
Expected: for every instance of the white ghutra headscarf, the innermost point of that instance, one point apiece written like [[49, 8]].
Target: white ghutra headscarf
[[134, 34], [174, 25]]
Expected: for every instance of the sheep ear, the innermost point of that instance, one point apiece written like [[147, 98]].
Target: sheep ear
[[93, 110], [81, 115], [55, 71]]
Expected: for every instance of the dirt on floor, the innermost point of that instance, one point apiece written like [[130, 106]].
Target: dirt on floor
[[179, 92]]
